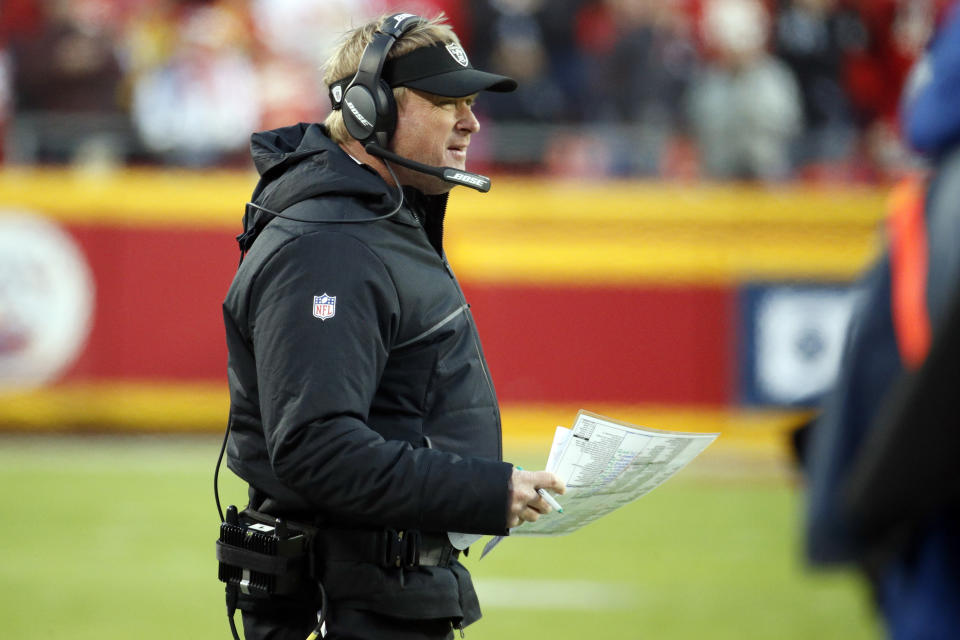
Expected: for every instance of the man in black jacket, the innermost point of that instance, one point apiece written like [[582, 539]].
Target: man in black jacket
[[360, 398]]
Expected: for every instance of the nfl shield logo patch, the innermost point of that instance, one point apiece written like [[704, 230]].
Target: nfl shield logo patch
[[324, 306]]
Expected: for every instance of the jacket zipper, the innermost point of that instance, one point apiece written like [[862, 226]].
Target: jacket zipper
[[480, 358], [473, 326]]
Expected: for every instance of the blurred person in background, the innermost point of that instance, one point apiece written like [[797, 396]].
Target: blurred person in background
[[361, 402], [6, 96], [545, 31], [881, 469], [457, 14], [518, 49], [18, 19], [292, 39], [878, 59], [194, 107], [744, 105], [67, 83], [813, 38], [642, 72], [521, 41]]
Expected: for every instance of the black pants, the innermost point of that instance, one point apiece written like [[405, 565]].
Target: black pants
[[343, 624]]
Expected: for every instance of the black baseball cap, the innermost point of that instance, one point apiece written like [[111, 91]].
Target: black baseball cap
[[442, 69]]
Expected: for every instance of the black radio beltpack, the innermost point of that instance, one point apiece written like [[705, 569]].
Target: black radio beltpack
[[260, 557]]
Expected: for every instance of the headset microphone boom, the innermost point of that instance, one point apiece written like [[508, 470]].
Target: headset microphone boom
[[448, 174]]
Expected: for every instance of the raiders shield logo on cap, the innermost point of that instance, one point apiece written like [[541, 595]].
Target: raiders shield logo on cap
[[458, 54]]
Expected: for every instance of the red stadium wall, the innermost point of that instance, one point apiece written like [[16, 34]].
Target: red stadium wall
[[157, 315], [639, 344], [157, 318]]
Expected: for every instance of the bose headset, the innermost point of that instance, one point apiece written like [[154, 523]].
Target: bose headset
[[370, 111]]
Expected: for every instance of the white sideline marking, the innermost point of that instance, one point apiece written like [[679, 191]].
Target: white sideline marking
[[526, 593]]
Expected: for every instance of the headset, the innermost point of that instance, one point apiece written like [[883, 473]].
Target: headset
[[370, 110]]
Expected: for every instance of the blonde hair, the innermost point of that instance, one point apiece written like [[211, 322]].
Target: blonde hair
[[346, 58]]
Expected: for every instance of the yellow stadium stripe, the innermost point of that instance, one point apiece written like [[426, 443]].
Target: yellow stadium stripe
[[129, 197], [595, 202], [658, 258], [132, 407], [113, 405], [533, 230], [215, 198]]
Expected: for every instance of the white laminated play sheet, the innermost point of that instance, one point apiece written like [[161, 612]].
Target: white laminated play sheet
[[605, 464]]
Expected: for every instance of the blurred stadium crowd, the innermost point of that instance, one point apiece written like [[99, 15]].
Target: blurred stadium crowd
[[722, 89]]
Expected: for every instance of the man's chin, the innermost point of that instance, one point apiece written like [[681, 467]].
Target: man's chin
[[436, 186]]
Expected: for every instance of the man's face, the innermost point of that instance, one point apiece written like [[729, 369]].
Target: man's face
[[433, 130]]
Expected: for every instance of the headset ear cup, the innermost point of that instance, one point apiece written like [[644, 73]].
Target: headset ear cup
[[386, 114], [360, 112]]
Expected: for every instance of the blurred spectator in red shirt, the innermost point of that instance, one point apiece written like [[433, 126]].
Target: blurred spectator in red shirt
[[894, 35]]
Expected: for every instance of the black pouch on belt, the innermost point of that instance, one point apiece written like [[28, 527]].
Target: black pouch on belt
[[266, 559]]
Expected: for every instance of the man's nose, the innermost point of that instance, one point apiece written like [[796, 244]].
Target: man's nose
[[467, 121]]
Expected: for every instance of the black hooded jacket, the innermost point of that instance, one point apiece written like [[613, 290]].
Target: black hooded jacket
[[375, 409]]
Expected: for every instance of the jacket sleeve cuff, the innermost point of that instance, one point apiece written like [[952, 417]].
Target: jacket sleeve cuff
[[482, 504]]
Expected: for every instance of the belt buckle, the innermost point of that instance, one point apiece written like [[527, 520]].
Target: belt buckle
[[392, 545], [401, 548], [410, 549]]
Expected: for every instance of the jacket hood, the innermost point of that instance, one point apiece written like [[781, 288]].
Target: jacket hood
[[300, 162]]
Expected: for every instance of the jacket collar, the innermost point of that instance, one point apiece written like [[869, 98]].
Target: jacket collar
[[300, 162]]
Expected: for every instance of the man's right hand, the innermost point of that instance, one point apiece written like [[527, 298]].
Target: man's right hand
[[526, 505]]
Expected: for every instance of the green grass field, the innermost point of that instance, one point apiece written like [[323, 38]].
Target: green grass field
[[112, 537]]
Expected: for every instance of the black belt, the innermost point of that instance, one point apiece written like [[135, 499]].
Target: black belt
[[386, 548]]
